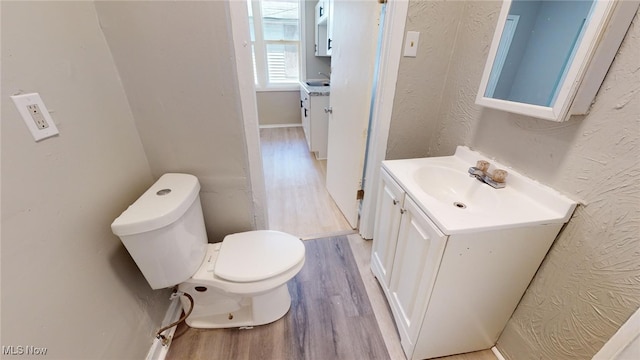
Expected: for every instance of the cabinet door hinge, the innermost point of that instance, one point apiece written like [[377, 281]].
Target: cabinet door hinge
[[360, 194]]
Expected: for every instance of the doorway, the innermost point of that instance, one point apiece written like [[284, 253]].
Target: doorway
[[248, 103], [297, 199]]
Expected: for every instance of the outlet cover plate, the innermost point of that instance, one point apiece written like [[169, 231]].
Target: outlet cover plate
[[35, 115]]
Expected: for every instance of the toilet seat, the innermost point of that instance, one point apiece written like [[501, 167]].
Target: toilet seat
[[257, 255], [207, 274]]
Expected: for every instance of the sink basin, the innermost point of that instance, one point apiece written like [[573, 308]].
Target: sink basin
[[318, 82], [456, 187], [459, 203]]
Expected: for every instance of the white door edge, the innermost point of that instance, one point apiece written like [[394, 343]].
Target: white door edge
[[390, 54]]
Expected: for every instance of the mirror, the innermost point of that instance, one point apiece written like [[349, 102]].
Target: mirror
[[537, 43], [540, 53]]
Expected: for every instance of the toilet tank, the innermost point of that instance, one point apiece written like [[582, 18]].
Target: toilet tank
[[164, 230]]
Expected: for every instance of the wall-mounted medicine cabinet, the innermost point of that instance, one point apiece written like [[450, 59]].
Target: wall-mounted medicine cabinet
[[548, 58]]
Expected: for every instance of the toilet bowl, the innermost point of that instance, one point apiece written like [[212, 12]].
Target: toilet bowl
[[239, 282]]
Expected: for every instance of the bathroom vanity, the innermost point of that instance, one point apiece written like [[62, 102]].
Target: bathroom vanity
[[454, 255], [315, 121]]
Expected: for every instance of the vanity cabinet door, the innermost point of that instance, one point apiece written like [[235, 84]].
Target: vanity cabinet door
[[417, 258], [385, 233]]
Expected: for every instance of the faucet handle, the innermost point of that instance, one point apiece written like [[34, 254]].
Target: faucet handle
[[482, 165], [499, 175]]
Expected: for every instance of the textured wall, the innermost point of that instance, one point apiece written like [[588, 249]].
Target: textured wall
[[68, 284], [589, 283], [421, 79], [176, 64]]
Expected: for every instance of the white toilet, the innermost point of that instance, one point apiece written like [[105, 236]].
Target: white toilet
[[239, 282]]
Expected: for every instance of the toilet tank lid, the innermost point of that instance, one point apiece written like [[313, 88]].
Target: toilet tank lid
[[162, 204]]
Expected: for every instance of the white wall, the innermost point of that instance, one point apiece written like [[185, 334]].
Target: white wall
[[588, 285], [279, 107], [68, 284], [176, 63]]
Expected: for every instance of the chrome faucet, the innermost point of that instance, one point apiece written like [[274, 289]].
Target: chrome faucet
[[481, 172], [325, 75]]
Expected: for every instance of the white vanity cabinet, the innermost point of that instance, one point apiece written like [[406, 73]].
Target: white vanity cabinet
[[450, 290], [417, 256], [389, 211], [315, 122], [407, 261]]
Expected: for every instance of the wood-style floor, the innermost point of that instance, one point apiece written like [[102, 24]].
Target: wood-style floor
[[338, 312], [297, 198], [330, 317]]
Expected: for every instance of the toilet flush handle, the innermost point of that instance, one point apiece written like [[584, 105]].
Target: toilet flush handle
[[328, 110]]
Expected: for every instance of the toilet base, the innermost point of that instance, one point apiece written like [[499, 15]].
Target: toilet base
[[218, 310]]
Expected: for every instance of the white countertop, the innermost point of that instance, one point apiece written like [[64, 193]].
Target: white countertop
[[522, 202], [315, 90]]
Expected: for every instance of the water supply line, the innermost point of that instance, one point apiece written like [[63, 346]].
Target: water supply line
[[163, 339]]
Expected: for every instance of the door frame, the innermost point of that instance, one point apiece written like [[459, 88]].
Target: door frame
[[241, 39], [393, 35], [390, 54]]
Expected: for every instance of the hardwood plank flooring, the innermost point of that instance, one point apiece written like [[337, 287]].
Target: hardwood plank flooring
[[330, 317], [297, 199]]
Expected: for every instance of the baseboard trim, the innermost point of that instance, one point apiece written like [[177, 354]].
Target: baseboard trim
[[157, 350], [625, 343], [497, 353], [275, 126]]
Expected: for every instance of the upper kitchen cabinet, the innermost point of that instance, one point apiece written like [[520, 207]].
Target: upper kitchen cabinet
[[548, 58], [321, 11], [323, 28], [329, 26]]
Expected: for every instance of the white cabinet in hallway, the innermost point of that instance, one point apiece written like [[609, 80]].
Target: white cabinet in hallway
[[321, 29], [315, 120]]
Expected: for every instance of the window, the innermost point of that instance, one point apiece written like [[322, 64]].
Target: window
[[275, 38]]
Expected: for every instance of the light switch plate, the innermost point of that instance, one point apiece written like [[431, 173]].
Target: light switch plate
[[35, 115], [411, 44]]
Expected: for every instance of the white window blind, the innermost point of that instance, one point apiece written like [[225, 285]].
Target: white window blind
[[275, 36]]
